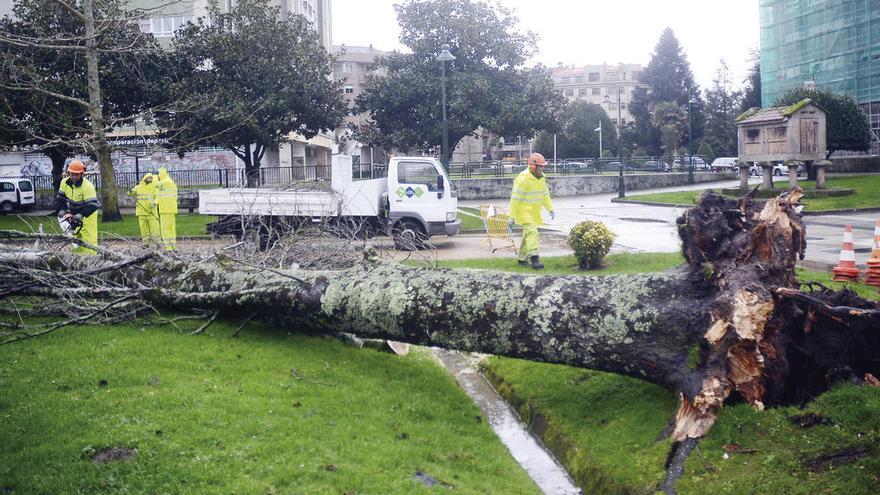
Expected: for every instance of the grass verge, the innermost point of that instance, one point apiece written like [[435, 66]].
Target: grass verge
[[268, 412], [866, 187], [604, 427], [188, 224]]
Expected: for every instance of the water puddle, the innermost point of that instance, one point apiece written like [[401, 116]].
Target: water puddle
[[528, 451]]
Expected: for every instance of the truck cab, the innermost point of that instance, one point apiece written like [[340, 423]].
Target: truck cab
[[421, 201]]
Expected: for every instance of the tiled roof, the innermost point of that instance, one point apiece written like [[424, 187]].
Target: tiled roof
[[763, 116]]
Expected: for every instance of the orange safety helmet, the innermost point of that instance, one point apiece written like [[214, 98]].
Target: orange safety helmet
[[76, 167], [536, 159]]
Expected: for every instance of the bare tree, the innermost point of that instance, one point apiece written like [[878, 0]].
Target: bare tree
[[732, 324], [51, 104]]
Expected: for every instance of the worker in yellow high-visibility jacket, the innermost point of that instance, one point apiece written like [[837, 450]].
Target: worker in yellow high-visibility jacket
[[146, 210], [529, 195], [77, 202], [166, 200]]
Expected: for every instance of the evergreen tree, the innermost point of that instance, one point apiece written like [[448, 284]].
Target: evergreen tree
[[722, 107], [669, 78], [487, 84], [751, 96]]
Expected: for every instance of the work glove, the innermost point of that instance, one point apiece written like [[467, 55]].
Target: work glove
[[76, 221], [552, 215]]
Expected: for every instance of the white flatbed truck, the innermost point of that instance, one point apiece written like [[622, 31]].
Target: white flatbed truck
[[413, 202]]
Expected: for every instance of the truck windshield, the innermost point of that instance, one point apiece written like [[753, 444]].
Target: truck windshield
[[418, 173]]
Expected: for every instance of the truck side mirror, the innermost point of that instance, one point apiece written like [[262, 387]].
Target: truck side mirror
[[440, 186]]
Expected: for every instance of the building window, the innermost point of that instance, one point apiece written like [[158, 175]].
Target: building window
[[597, 91], [593, 77], [347, 67], [635, 75], [582, 92], [349, 90], [578, 79], [613, 76], [163, 26], [569, 92], [565, 79]]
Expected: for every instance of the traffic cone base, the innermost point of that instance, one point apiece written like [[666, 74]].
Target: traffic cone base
[[872, 273], [846, 270]]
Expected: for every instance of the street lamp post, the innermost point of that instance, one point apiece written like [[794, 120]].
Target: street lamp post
[[443, 57], [621, 185], [690, 153]]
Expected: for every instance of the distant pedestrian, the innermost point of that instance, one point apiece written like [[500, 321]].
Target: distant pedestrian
[[77, 203], [529, 195], [166, 200], [146, 210]]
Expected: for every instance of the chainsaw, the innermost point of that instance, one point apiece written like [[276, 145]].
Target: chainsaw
[[70, 226]]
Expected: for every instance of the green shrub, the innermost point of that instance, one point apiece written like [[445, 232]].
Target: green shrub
[[591, 242]]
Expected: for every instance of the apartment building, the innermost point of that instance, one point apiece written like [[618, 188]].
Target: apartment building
[[162, 20], [826, 44], [599, 84]]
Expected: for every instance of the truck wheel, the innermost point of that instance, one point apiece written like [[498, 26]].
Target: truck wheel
[[408, 236], [6, 207], [777, 172]]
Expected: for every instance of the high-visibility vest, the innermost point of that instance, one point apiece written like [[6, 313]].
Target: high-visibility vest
[[529, 194], [79, 198], [166, 193], [145, 196]]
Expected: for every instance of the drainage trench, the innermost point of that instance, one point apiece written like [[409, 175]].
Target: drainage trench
[[528, 451]]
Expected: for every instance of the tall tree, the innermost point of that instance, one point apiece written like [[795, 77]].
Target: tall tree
[[751, 96], [487, 85], [847, 125], [577, 137], [72, 71], [722, 106], [671, 120], [247, 79], [668, 77]]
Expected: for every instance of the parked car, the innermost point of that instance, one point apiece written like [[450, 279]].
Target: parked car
[[699, 163], [656, 166], [778, 170], [575, 167], [16, 193], [724, 164]]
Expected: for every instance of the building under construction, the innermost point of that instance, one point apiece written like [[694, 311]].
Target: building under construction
[[826, 44]]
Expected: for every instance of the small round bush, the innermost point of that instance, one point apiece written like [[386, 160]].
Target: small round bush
[[591, 242]]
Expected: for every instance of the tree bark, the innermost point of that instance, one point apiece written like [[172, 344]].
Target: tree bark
[[730, 324], [102, 148]]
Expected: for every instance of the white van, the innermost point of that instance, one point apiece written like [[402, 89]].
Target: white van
[[16, 193], [724, 165]]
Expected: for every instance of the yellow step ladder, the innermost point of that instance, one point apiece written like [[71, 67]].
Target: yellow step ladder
[[495, 221]]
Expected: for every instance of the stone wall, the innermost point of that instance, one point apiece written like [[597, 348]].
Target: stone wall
[[499, 188], [855, 164]]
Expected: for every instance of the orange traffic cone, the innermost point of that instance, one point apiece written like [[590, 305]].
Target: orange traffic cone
[[846, 269], [872, 274]]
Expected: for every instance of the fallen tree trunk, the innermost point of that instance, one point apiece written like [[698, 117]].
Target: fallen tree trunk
[[730, 324]]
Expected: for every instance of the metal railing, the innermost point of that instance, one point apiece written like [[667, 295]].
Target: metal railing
[[576, 166], [220, 178]]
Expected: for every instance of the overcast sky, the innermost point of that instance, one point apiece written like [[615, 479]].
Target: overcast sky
[[582, 32]]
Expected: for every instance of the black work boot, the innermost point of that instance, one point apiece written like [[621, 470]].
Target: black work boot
[[536, 265]]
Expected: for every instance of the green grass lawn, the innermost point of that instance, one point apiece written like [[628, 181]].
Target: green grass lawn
[[266, 413], [866, 187], [471, 223], [604, 427], [188, 224]]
